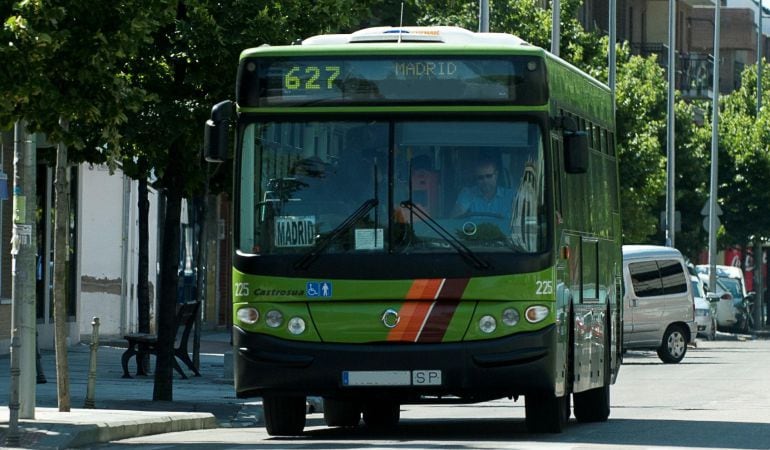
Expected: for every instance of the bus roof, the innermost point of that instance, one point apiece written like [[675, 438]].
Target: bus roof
[[404, 39], [442, 34]]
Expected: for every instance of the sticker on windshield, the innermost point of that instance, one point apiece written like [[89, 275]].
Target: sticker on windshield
[[295, 231], [369, 239]]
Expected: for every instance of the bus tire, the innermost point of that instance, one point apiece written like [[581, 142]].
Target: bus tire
[[592, 405], [674, 345], [340, 413], [546, 413], [381, 414], [284, 415]]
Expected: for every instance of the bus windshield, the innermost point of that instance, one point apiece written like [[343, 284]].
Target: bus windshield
[[392, 186]]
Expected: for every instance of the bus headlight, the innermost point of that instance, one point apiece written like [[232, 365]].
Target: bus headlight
[[487, 324], [248, 315], [536, 313], [510, 317], [274, 318], [296, 325]]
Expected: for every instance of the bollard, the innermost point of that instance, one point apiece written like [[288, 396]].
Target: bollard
[[90, 390]]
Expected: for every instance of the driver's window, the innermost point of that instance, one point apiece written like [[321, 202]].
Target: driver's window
[[481, 181]]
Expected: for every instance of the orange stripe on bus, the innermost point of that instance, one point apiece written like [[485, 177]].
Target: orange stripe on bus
[[412, 329], [414, 313], [424, 289]]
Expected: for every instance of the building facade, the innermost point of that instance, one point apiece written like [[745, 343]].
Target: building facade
[[102, 260]]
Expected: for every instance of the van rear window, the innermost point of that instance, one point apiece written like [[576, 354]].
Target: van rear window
[[651, 278]]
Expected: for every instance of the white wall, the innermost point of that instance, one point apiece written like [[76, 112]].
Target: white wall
[[107, 284]]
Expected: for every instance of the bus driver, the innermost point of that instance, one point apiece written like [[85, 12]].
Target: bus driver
[[486, 197]]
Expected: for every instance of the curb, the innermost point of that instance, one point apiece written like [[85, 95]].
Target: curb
[[106, 432], [52, 429]]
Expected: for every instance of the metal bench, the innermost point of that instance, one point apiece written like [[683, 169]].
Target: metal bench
[[142, 344]]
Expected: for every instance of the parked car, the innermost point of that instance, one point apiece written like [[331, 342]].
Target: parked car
[[705, 310], [659, 312], [736, 314]]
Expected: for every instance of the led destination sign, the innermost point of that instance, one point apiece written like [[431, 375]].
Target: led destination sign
[[391, 80]]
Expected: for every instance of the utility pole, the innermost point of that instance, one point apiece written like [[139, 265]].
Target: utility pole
[[613, 18], [23, 355], [714, 154], [670, 144], [758, 250], [555, 27], [483, 16]]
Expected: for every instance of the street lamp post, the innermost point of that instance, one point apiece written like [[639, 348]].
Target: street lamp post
[[758, 251], [714, 153], [670, 151]]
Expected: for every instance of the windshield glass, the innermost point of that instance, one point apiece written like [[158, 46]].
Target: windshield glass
[[422, 185], [733, 286], [697, 289]]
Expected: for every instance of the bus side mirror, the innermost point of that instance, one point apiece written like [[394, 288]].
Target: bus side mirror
[[216, 132], [576, 152]]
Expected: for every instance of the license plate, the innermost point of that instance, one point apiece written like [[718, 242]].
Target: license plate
[[426, 377], [391, 378]]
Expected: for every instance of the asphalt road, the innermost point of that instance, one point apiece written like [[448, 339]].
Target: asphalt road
[[717, 397]]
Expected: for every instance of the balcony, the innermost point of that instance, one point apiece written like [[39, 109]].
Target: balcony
[[694, 77]]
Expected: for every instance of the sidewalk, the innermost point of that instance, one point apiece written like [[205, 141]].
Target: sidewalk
[[124, 407]]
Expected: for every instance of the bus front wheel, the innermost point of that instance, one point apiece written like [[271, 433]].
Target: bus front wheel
[[546, 413], [284, 415], [340, 413], [381, 414]]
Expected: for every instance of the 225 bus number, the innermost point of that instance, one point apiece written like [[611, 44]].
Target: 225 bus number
[[310, 77], [544, 288]]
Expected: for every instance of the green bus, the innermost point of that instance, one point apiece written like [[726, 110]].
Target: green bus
[[421, 215]]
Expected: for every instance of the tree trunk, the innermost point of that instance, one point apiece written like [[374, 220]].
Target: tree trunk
[[169, 278], [143, 269], [61, 232]]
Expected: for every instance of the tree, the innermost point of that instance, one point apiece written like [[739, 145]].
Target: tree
[[640, 119], [188, 67], [62, 73], [693, 162], [744, 164]]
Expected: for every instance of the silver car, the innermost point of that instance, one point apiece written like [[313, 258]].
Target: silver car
[[705, 311]]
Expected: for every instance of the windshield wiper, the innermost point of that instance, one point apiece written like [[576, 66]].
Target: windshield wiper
[[324, 242], [461, 248]]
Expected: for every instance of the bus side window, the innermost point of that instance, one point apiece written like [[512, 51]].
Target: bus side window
[[556, 151]]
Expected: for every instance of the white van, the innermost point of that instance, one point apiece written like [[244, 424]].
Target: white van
[[733, 301], [659, 312]]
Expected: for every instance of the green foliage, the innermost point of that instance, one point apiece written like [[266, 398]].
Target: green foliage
[[693, 162], [65, 60], [640, 118], [744, 164]]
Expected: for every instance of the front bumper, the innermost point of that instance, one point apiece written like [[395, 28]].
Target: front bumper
[[473, 371]]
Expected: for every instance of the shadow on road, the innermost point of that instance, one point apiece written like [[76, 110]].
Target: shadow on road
[[669, 433]]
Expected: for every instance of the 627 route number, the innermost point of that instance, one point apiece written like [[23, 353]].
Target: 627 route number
[[311, 77]]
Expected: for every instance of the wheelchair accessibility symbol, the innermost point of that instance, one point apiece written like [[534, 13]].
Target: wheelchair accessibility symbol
[[319, 289]]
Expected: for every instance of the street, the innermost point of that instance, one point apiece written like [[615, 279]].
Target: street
[[717, 397]]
